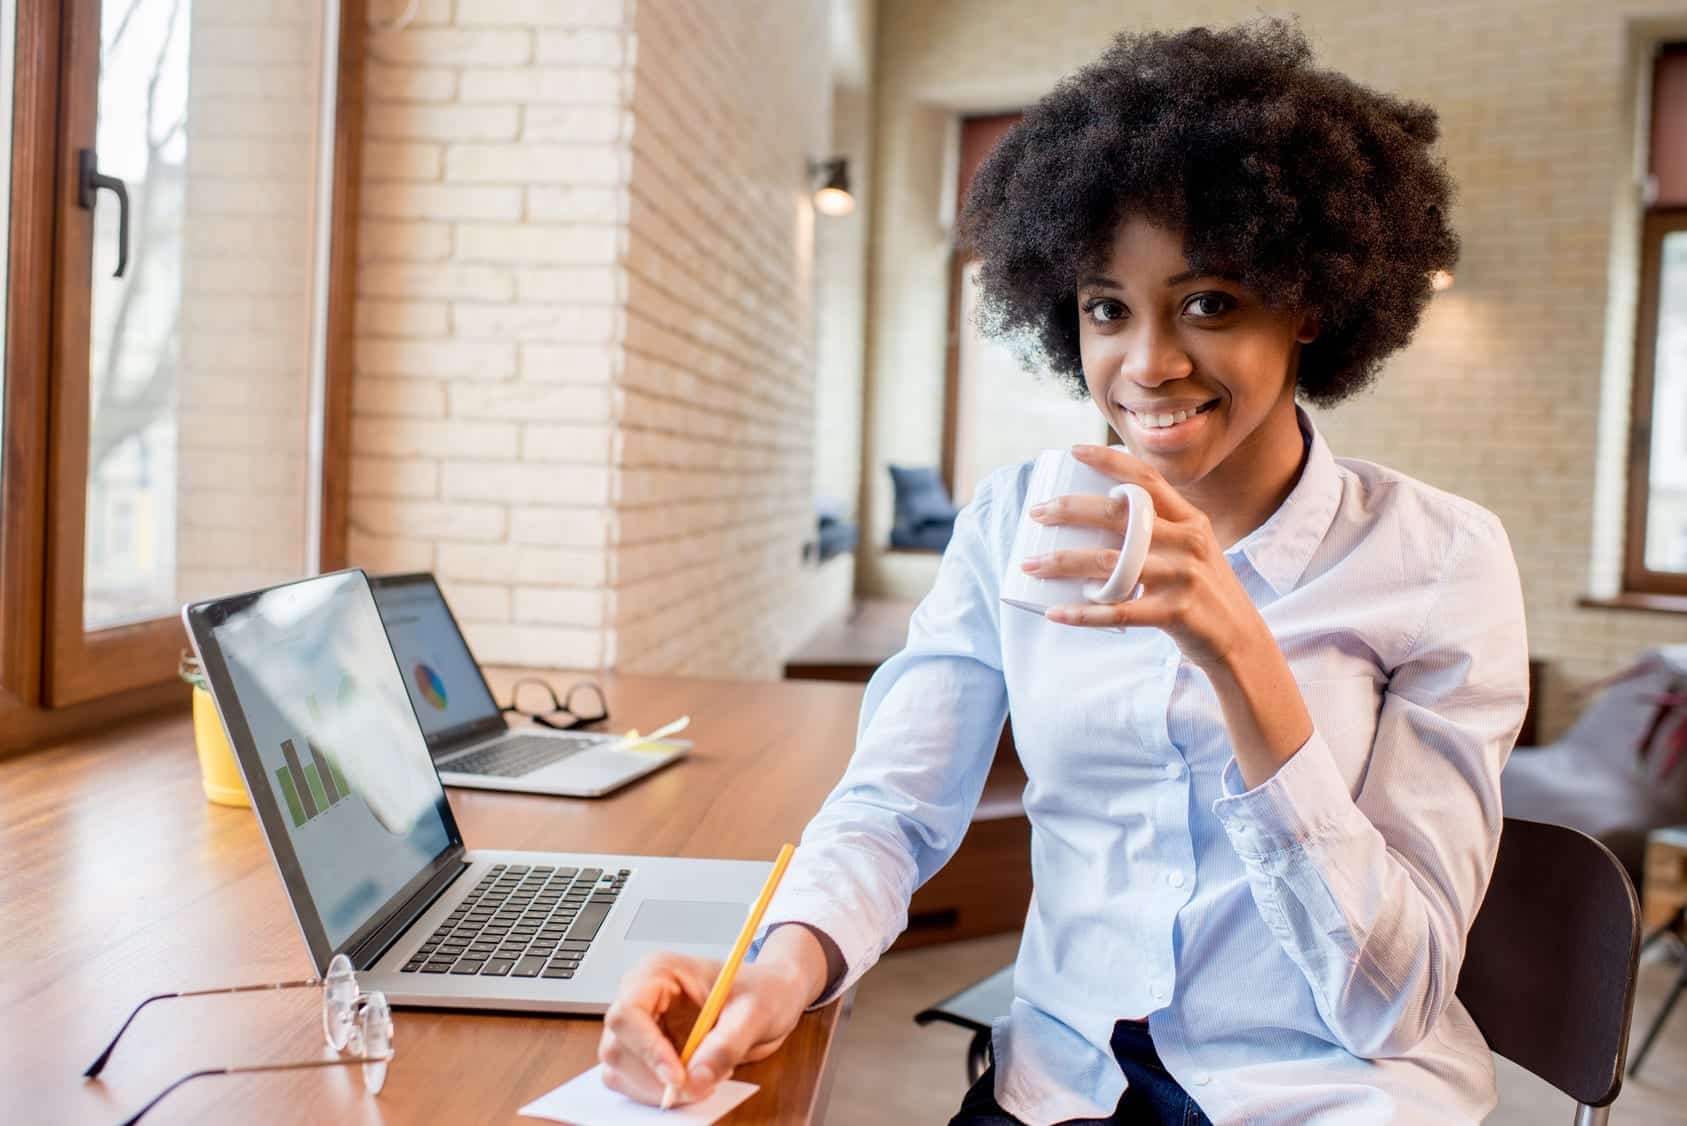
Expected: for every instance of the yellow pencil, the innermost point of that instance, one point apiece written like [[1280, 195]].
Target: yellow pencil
[[723, 983]]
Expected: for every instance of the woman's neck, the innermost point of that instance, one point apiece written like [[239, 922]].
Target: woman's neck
[[1253, 482]]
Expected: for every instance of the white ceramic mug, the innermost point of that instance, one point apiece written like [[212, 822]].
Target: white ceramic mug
[[1057, 473]]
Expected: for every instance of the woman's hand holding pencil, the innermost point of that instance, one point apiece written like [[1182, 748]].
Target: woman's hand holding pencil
[[662, 1044]]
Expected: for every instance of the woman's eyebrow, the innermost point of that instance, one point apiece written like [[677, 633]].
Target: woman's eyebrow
[[1175, 279]]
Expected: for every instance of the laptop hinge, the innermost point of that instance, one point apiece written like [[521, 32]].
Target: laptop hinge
[[366, 953]]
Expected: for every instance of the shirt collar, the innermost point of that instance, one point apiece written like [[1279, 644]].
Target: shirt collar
[[1280, 548]]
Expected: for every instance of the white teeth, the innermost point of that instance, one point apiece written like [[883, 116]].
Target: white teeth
[[1162, 421]]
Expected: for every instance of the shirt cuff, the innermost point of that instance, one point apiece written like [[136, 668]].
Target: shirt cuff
[[836, 967], [1305, 800], [837, 938]]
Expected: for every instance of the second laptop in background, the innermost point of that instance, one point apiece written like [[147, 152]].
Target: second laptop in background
[[471, 743]]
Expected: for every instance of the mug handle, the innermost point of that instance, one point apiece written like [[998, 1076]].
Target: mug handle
[[1139, 529]]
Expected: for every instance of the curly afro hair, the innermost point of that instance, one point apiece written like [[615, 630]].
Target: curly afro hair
[[1317, 193]]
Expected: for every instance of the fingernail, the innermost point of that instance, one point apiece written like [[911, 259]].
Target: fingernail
[[1083, 451], [702, 1076], [1038, 509], [1031, 564]]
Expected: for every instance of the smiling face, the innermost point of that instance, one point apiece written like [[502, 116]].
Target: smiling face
[[1195, 372]]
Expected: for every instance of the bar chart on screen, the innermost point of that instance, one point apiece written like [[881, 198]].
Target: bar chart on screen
[[309, 787]]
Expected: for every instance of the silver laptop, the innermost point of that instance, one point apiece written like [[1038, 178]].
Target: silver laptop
[[470, 741], [328, 741]]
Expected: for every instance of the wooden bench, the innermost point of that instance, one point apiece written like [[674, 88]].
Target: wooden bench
[[986, 887]]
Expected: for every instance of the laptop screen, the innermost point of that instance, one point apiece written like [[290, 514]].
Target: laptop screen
[[445, 684], [329, 746]]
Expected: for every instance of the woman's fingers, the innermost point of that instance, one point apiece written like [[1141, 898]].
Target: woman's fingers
[[1166, 584], [638, 1059], [1093, 564], [738, 1031], [1121, 466], [1174, 547], [1149, 610], [1084, 510], [637, 1048]]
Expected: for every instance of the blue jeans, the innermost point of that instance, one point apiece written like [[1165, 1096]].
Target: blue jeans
[[1153, 1096]]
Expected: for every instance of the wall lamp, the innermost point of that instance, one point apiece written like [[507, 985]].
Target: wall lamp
[[832, 197]]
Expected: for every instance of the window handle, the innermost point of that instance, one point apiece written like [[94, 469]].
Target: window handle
[[90, 181]]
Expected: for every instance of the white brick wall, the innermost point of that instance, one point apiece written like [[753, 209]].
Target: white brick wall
[[1498, 397], [585, 334]]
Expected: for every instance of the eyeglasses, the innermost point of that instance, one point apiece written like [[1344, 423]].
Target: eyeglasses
[[351, 1019], [581, 706]]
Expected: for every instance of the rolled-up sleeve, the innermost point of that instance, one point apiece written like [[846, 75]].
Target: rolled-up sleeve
[[929, 724], [1372, 897]]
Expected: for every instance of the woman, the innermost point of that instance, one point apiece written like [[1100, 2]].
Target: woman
[[1265, 815]]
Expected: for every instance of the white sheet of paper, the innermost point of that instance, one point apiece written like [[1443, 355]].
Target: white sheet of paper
[[585, 1101]]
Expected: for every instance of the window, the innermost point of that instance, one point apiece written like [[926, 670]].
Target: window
[[1656, 554], [180, 207], [187, 385]]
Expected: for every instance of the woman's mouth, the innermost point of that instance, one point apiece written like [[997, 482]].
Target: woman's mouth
[[1163, 430]]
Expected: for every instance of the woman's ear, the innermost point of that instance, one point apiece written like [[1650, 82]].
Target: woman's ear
[[1308, 330]]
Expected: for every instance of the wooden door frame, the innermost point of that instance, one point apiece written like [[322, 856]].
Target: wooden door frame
[[1637, 578], [958, 260]]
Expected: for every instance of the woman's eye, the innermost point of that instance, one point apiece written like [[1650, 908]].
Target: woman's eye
[[1115, 311], [1210, 304]]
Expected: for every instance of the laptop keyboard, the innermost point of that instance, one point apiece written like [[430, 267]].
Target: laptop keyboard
[[522, 921], [515, 755]]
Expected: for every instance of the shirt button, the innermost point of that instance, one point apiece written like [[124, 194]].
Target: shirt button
[[1175, 879], [1174, 770]]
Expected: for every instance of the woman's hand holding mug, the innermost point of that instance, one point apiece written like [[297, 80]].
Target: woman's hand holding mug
[[1125, 538], [1187, 587]]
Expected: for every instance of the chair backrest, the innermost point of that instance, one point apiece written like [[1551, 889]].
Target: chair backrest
[[1549, 966]]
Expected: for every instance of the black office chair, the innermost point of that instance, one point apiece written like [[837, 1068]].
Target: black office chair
[[1548, 971]]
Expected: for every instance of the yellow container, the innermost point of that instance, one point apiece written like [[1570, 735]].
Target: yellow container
[[218, 772]]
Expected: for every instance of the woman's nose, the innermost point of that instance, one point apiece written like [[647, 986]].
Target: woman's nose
[[1154, 356]]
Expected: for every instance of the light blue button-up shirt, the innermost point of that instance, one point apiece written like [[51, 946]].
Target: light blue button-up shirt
[[1295, 947]]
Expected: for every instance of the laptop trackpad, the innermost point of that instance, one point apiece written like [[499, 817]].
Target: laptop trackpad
[[688, 920]]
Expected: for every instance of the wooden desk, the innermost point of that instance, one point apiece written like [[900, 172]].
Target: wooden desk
[[122, 881], [851, 648]]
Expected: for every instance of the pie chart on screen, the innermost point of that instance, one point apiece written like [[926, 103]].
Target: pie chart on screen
[[430, 686]]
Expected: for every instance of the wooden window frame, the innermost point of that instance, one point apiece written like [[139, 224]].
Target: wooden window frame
[[972, 155], [23, 485], [1637, 578], [81, 665], [56, 678], [977, 136]]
